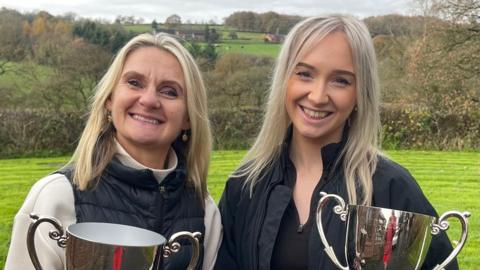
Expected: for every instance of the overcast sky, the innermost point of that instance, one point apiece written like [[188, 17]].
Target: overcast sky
[[205, 10]]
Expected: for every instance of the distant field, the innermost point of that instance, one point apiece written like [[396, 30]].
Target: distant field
[[260, 49], [451, 180], [246, 42]]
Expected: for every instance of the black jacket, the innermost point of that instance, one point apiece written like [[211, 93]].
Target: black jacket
[[133, 197], [250, 224]]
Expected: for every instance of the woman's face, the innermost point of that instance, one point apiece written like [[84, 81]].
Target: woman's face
[[321, 93], [148, 104]]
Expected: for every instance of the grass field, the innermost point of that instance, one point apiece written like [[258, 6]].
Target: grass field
[[451, 180]]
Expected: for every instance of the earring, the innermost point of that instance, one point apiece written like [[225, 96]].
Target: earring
[[109, 116], [184, 136]]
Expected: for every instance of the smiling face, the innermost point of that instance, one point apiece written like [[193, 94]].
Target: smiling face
[[148, 104], [321, 93]]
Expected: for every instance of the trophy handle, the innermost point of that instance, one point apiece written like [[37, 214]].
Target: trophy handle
[[339, 209], [173, 246], [443, 225], [58, 235]]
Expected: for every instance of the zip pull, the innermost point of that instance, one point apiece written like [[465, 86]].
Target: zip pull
[[300, 228]]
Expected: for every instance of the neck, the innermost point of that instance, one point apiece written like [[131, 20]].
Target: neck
[[150, 157], [305, 153]]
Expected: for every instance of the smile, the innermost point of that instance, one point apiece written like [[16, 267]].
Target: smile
[[315, 114], [145, 119]]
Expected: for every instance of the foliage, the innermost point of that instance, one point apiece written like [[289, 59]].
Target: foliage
[[110, 37], [172, 21], [269, 22], [239, 81], [395, 25], [206, 55], [34, 132]]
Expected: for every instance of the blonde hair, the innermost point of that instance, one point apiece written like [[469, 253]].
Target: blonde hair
[[361, 151], [95, 148]]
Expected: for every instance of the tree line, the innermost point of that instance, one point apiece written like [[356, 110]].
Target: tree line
[[428, 65]]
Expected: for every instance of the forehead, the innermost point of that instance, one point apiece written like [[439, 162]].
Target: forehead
[[333, 50], [155, 63]]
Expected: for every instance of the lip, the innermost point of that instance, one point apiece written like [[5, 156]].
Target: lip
[[311, 119], [146, 119]]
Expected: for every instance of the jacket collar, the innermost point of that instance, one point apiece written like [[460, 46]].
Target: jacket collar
[[331, 153], [145, 178]]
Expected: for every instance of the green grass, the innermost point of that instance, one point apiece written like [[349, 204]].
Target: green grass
[[450, 180], [259, 49]]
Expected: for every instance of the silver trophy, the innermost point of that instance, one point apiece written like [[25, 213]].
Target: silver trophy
[[91, 245], [382, 238]]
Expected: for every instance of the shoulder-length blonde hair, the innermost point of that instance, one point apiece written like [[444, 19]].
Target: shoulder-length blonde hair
[[95, 148], [361, 151]]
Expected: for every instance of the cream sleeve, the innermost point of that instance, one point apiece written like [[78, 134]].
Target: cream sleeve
[[213, 233], [52, 196]]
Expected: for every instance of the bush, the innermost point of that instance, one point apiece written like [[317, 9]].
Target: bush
[[38, 132], [43, 133], [417, 128], [235, 128]]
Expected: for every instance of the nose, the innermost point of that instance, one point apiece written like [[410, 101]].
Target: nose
[[318, 93], [148, 98]]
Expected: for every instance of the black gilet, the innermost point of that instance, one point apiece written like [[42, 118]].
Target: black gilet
[[128, 196]]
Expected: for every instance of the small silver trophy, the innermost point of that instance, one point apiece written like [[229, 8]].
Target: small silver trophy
[[382, 238], [93, 246]]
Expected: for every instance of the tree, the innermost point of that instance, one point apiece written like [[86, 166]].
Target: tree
[[154, 25], [173, 20], [233, 35], [12, 41]]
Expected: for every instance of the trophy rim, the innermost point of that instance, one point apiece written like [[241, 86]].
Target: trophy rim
[[150, 238], [389, 209]]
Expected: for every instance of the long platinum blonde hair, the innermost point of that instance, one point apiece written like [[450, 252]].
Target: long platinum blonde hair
[[96, 146], [361, 151]]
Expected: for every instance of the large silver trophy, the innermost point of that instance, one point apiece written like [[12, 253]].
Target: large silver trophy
[[94, 246], [382, 238]]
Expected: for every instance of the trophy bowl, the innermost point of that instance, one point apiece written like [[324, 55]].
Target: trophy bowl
[[93, 245], [382, 238]]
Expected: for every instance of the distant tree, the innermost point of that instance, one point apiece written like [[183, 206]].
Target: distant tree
[[154, 25], [265, 22], [243, 20], [173, 20], [13, 41], [446, 60], [233, 35], [206, 55], [211, 35], [110, 37]]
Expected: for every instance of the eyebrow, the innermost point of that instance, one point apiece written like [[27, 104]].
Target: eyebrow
[[337, 71]]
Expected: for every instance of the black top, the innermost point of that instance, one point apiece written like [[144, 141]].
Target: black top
[[129, 196], [252, 222], [291, 247]]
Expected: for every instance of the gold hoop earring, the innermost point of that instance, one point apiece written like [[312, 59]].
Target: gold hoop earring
[[184, 136]]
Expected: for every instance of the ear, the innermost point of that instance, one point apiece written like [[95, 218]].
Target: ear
[[108, 103]]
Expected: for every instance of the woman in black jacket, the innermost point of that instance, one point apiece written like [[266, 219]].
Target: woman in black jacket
[[320, 133]]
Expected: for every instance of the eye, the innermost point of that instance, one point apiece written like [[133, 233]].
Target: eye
[[169, 91], [134, 83], [303, 75], [341, 82]]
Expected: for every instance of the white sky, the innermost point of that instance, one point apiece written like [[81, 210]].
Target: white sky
[[204, 10]]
